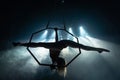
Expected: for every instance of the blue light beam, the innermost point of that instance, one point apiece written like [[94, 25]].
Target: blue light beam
[[70, 30], [44, 35], [83, 33]]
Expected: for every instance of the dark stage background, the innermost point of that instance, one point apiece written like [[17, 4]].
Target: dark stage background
[[19, 19]]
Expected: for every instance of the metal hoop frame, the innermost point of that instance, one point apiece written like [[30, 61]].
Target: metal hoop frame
[[56, 29]]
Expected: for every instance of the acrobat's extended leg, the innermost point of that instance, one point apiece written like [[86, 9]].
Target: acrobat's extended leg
[[77, 45], [32, 44], [100, 50]]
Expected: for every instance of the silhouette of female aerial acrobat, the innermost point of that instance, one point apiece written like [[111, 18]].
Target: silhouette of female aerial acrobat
[[56, 47]]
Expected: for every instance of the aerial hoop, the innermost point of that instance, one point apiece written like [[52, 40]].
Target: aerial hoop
[[56, 39]]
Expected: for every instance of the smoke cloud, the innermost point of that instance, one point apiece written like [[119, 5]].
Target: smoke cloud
[[18, 64]]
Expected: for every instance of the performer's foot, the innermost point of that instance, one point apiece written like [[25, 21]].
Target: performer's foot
[[100, 50]]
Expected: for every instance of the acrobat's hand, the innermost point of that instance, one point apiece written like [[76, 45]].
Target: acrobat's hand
[[16, 43], [100, 50]]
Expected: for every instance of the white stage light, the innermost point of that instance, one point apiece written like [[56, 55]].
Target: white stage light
[[44, 34], [52, 37], [42, 37], [69, 36], [70, 30], [84, 37], [83, 33]]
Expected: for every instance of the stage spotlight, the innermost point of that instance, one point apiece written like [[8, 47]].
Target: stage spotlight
[[43, 37], [70, 30], [44, 34], [83, 33], [52, 37]]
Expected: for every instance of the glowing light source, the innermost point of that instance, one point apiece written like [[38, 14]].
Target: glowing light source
[[52, 37], [84, 37], [69, 36], [83, 33], [40, 37], [70, 30], [44, 35]]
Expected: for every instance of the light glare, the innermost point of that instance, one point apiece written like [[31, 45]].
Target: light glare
[[44, 35], [83, 33], [70, 30]]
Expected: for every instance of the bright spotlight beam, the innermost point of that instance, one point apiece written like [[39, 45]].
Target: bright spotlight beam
[[83, 33], [44, 35], [52, 36], [70, 30], [69, 36]]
